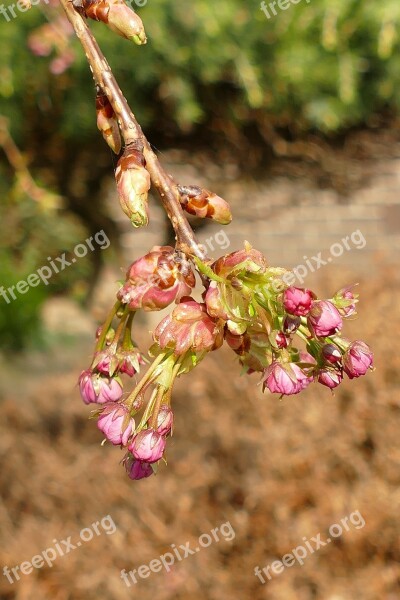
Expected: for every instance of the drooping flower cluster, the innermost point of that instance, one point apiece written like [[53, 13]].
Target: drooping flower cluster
[[248, 304]]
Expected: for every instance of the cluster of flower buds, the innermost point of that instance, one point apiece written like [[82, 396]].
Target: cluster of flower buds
[[246, 303], [263, 315], [133, 185], [107, 122], [117, 15], [204, 204]]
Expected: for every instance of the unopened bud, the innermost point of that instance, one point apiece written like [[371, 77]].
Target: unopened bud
[[133, 184], [119, 17], [107, 122], [205, 204]]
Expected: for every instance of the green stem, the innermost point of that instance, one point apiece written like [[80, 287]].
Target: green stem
[[106, 326], [148, 411], [144, 381], [156, 409], [127, 341]]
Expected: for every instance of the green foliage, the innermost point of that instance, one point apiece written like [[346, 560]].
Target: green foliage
[[30, 235], [19, 319], [325, 64]]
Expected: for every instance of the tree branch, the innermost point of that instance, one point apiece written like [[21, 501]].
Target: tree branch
[[133, 134]]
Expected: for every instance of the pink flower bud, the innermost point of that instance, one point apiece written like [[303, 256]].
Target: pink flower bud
[[105, 363], [324, 318], [345, 301], [130, 362], [331, 353], [156, 280], [98, 389], [204, 204], [357, 359], [148, 446], [188, 327], [107, 122], [297, 301], [330, 377], [133, 184], [116, 424], [137, 469], [285, 379], [280, 339], [165, 420]]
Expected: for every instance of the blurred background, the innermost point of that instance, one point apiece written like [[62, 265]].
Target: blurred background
[[294, 120]]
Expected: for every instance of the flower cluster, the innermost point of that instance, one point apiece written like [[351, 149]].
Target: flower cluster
[[245, 303], [264, 316]]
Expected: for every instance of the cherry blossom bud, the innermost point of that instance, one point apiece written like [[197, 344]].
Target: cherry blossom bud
[[345, 301], [148, 446], [107, 122], [244, 261], [285, 379], [204, 204], [105, 362], [331, 353], [156, 280], [98, 389], [137, 469], [357, 359], [279, 339], [165, 420], [291, 324], [324, 318], [188, 327], [115, 423], [330, 377], [133, 184], [130, 362], [119, 17], [214, 303], [297, 301]]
